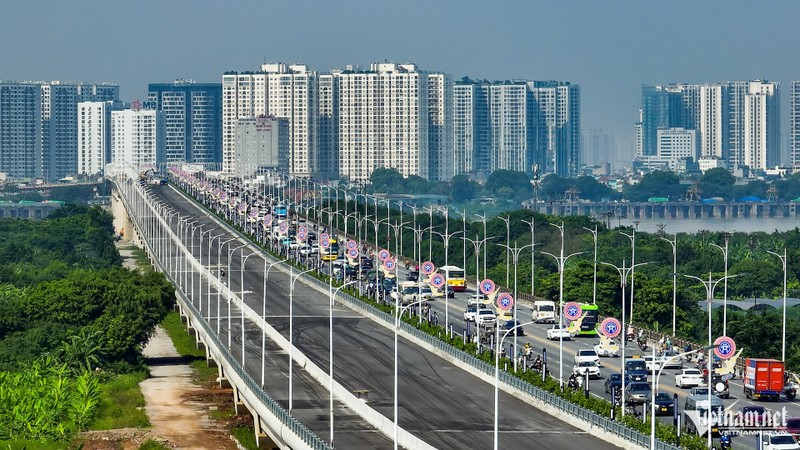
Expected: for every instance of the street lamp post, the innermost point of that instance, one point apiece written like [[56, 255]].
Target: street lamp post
[[561, 261], [230, 285], [477, 243], [515, 255], [220, 245], [398, 314], [507, 220], [623, 276], [783, 327], [674, 244], [264, 314], [594, 283], [724, 251], [330, 351], [533, 253], [242, 262], [632, 237], [710, 285], [483, 220], [498, 345], [291, 329], [446, 237], [653, 391]]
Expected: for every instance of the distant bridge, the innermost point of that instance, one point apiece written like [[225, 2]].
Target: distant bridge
[[669, 210]]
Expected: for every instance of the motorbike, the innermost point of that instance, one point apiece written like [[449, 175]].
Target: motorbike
[[724, 442], [575, 382], [642, 344], [790, 390], [536, 366]]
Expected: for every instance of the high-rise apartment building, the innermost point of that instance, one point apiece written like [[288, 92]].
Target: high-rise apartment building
[[20, 130], [137, 136], [518, 125], [794, 125], [761, 125], [441, 160], [192, 120], [60, 122], [327, 155], [94, 136], [737, 121], [383, 120], [597, 147], [280, 90]]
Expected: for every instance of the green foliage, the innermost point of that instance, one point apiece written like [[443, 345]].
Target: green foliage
[[121, 403], [509, 184], [152, 445], [655, 184], [554, 188]]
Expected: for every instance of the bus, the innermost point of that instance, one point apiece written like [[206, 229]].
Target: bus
[[589, 323], [331, 253], [280, 211], [455, 278]]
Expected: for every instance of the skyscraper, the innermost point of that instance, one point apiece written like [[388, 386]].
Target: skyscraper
[[597, 147], [60, 122], [21, 130], [94, 136], [441, 164], [761, 125], [280, 90], [661, 108], [261, 143], [558, 136], [193, 120], [137, 136], [794, 126]]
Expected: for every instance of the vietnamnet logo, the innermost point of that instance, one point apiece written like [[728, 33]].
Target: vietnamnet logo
[[745, 421]]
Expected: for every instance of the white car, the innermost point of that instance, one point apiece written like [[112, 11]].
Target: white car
[[689, 378], [586, 355], [304, 250], [582, 367], [609, 349], [470, 313], [557, 332], [485, 317], [779, 441]]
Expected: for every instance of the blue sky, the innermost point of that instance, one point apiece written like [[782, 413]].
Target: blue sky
[[608, 47]]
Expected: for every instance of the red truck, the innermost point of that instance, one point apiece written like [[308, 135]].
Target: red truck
[[763, 378]]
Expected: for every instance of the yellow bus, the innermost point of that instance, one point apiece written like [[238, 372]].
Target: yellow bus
[[331, 253], [455, 277]]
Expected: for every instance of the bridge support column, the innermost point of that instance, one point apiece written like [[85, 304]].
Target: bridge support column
[[221, 378], [237, 400]]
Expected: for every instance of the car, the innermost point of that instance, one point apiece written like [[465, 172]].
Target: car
[[304, 249], [557, 332], [607, 348], [583, 367], [425, 293], [669, 360], [792, 426], [447, 291], [664, 404], [614, 380], [752, 416], [689, 378], [637, 392], [412, 276], [485, 316], [779, 441], [479, 297], [721, 387], [470, 312], [699, 390], [510, 324], [586, 355]]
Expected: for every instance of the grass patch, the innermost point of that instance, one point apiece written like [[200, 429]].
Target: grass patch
[[32, 445], [122, 404], [246, 437], [152, 445], [142, 262], [187, 348], [224, 413]]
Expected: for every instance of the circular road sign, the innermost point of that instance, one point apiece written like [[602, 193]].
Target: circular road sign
[[610, 327], [487, 286], [324, 240], [437, 281], [389, 264], [505, 301], [267, 220], [351, 244], [384, 254], [572, 311], [283, 227], [302, 233], [428, 268], [726, 347], [353, 253]]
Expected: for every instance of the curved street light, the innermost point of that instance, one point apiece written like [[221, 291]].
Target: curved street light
[[499, 343]]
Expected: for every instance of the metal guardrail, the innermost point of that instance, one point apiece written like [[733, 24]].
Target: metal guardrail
[[213, 341]]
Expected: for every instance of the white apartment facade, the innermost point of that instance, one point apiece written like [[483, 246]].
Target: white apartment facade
[[261, 143], [761, 125], [94, 136], [137, 137], [794, 125]]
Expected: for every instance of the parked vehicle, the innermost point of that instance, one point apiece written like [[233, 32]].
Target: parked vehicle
[[763, 378]]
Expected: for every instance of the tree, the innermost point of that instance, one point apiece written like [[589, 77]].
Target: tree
[[385, 180], [462, 189], [518, 184]]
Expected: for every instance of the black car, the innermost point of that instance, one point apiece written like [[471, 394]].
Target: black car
[[664, 404], [449, 292], [412, 276], [510, 324], [614, 380]]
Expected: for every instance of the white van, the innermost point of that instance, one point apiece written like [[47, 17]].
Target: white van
[[544, 311]]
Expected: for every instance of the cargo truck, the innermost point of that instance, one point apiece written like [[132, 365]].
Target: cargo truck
[[763, 378]]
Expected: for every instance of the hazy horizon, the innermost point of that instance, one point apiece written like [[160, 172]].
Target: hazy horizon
[[608, 48]]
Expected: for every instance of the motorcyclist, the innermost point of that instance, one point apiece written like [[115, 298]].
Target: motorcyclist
[[528, 349], [573, 381], [537, 363], [724, 442]]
